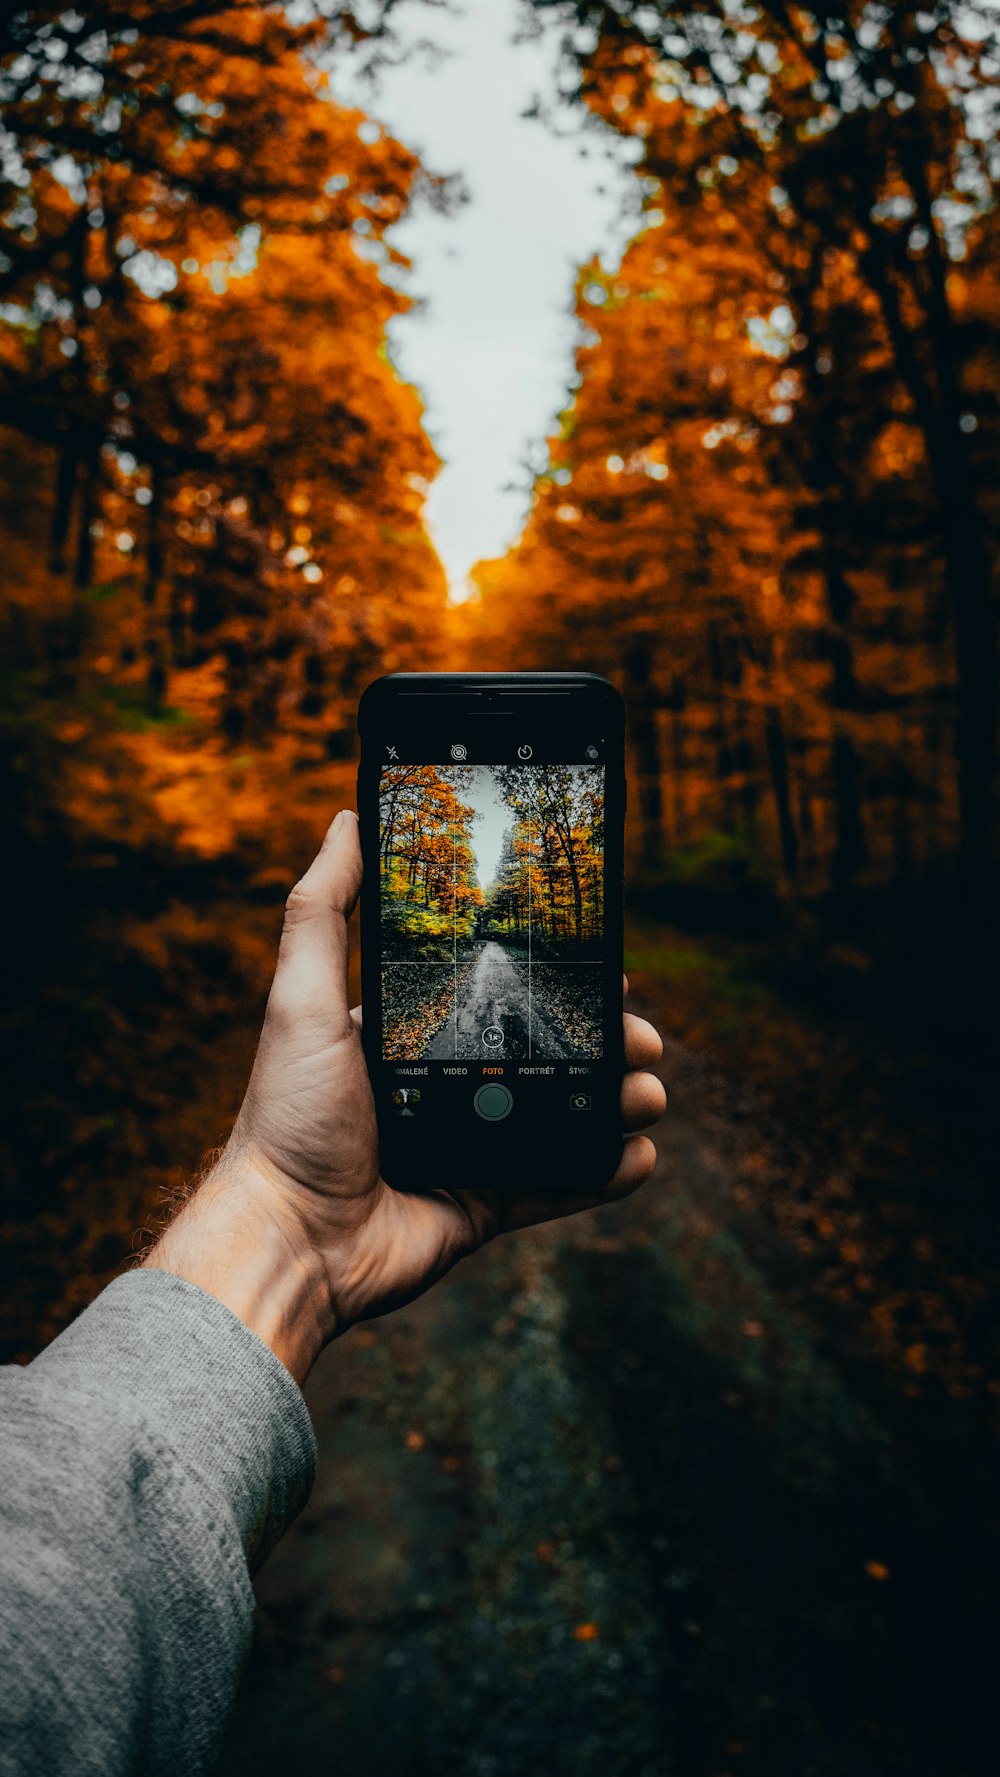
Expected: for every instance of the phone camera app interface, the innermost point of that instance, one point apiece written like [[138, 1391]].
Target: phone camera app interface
[[492, 912]]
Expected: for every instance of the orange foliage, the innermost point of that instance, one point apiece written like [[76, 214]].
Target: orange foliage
[[768, 511], [195, 372]]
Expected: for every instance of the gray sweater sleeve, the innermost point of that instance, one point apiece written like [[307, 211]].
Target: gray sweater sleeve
[[149, 1458]]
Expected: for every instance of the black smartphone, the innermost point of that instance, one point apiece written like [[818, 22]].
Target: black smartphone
[[492, 811]]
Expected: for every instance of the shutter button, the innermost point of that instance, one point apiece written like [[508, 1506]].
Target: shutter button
[[493, 1102]]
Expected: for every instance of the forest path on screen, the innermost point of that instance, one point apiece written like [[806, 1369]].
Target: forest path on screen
[[494, 999]]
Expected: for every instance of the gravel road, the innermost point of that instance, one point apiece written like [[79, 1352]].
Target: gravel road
[[494, 997]]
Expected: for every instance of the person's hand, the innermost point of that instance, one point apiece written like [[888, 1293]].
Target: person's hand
[[303, 1157]]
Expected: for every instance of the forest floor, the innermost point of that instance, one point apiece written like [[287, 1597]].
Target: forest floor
[[704, 1484], [700, 1485]]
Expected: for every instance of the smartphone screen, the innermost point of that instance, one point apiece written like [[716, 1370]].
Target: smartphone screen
[[491, 904], [491, 937]]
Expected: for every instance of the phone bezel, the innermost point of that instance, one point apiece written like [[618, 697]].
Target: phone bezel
[[550, 1154]]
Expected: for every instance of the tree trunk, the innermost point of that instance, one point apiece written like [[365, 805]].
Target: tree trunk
[[640, 697], [938, 402], [577, 902], [902, 823], [723, 751], [850, 850], [83, 567], [743, 752], [777, 759], [678, 769], [66, 474], [156, 665], [234, 711], [976, 656]]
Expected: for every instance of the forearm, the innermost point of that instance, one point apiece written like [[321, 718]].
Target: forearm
[[237, 1239], [146, 1457]]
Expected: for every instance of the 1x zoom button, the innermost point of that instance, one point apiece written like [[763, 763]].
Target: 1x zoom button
[[493, 1102]]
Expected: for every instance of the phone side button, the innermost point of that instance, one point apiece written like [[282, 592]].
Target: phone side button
[[493, 1102]]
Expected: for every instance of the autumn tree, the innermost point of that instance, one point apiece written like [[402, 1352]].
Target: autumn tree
[[655, 534], [429, 887], [861, 137], [553, 865], [192, 354]]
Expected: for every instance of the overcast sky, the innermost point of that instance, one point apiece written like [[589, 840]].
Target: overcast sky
[[491, 351], [492, 819]]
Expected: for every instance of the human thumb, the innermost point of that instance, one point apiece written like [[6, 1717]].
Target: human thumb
[[312, 960]]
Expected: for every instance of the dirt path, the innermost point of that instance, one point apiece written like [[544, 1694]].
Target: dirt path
[[611, 1502], [493, 998]]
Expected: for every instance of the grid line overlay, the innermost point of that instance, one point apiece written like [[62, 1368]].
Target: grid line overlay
[[555, 871], [529, 938]]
